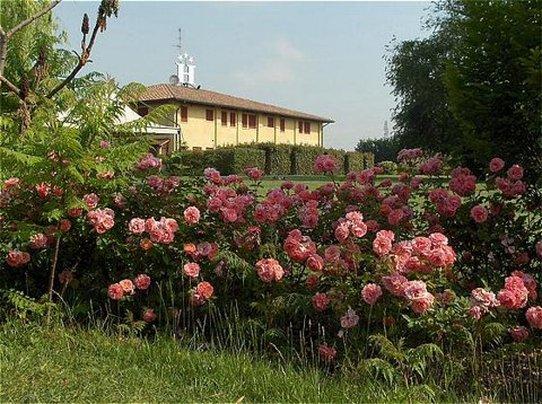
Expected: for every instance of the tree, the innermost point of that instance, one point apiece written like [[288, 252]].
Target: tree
[[494, 79], [472, 88], [31, 67], [421, 117], [384, 149]]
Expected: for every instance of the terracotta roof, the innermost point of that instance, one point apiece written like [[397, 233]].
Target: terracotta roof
[[168, 92]]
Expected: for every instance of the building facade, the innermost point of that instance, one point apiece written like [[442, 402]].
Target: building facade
[[208, 119]]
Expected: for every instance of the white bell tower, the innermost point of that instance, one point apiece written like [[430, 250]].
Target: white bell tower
[[186, 66]]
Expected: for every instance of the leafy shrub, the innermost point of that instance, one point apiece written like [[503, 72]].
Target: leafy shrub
[[389, 167], [234, 160], [278, 158], [354, 161]]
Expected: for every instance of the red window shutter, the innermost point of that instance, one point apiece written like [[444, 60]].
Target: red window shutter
[[209, 114], [233, 118], [184, 114], [270, 122], [307, 127], [143, 110], [252, 121], [300, 126], [282, 125], [224, 118], [245, 120]]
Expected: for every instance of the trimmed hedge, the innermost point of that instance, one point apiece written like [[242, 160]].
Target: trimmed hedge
[[235, 160], [273, 159]]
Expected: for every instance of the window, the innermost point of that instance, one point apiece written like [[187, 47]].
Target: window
[[224, 118], [245, 120], [142, 110], [252, 121], [233, 118], [300, 126], [209, 115], [184, 114], [186, 69], [282, 124], [270, 122], [307, 127]]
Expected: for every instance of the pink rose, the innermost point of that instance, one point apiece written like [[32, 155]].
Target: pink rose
[[205, 290], [191, 215], [115, 291], [320, 301], [191, 269], [142, 281], [136, 225], [496, 164], [395, 284], [127, 286], [91, 200], [479, 213], [519, 333], [327, 353], [325, 164], [149, 316], [269, 270], [534, 317], [315, 263], [371, 293], [515, 172], [350, 319], [17, 259]]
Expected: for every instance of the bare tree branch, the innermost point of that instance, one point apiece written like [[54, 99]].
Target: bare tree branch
[[83, 59], [12, 87], [32, 18]]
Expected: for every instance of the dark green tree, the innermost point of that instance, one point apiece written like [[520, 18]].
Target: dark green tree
[[384, 149]]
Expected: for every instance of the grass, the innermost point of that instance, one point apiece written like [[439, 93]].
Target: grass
[[54, 364]]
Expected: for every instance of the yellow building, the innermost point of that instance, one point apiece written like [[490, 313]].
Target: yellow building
[[208, 119]]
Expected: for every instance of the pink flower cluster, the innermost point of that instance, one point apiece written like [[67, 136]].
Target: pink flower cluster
[[202, 250], [325, 164], [17, 259], [371, 293], [299, 247], [463, 182], [269, 270], [406, 155], [447, 203], [534, 317], [163, 186], [479, 213], [432, 166], [160, 231], [102, 219], [352, 224], [231, 206], [514, 295], [149, 161], [126, 287], [254, 173], [202, 293], [482, 301]]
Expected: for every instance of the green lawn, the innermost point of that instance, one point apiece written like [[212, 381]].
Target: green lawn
[[40, 364]]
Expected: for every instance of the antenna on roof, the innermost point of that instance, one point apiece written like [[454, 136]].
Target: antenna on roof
[[180, 45]]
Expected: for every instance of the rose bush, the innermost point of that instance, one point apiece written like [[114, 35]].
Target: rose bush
[[429, 257]]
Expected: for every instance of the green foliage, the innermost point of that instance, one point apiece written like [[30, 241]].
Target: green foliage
[[381, 149], [235, 160], [278, 158], [472, 88]]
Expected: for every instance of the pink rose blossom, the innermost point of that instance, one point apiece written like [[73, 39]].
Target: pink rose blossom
[[395, 284], [327, 353], [91, 200], [519, 333], [136, 225], [127, 286], [191, 269], [320, 301], [142, 281], [534, 317], [325, 164], [115, 291], [371, 293], [496, 164], [269, 270], [350, 319], [205, 290], [149, 316], [38, 241], [191, 215], [479, 214], [17, 259], [515, 172]]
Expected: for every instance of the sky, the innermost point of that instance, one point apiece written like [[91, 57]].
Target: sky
[[324, 58]]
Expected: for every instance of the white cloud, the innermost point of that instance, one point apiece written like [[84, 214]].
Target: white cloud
[[278, 67]]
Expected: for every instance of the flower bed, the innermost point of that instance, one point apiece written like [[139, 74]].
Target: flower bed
[[427, 259]]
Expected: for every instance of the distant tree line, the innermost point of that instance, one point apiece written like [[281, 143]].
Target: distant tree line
[[384, 149], [473, 88]]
